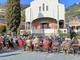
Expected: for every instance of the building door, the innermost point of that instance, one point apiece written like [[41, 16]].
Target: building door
[[45, 25]]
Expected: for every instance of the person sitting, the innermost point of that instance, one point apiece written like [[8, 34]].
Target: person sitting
[[40, 42], [66, 45], [46, 44], [56, 44], [36, 43], [1, 43], [74, 45], [29, 43], [20, 42]]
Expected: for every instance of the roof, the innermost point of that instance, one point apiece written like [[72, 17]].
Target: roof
[[74, 23], [1, 14], [2, 24]]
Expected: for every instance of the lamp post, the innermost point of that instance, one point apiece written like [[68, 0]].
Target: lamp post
[[25, 26], [68, 31]]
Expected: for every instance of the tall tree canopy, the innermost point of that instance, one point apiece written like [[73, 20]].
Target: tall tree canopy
[[13, 14]]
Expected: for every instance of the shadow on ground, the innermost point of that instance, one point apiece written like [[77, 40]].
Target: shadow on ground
[[10, 55], [13, 50]]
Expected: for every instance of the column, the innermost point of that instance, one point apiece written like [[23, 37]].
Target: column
[[75, 29], [57, 17], [25, 26]]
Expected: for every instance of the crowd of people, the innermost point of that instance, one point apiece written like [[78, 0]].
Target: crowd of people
[[39, 43]]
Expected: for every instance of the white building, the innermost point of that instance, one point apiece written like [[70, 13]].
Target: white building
[[2, 15], [45, 16]]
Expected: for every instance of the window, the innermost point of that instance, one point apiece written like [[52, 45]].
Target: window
[[46, 8], [39, 8], [43, 7], [45, 25]]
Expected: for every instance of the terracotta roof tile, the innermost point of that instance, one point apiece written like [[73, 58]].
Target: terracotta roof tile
[[73, 23]]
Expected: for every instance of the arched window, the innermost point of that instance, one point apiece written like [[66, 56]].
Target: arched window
[[43, 7], [61, 24], [40, 8], [46, 8]]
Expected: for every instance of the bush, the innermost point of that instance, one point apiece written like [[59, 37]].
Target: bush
[[63, 35], [78, 35], [25, 34], [59, 32], [2, 28], [73, 34]]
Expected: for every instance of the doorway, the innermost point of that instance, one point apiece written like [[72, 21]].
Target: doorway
[[61, 24], [45, 25]]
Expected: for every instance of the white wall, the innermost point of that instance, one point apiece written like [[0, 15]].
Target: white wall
[[39, 14], [52, 10], [61, 12], [27, 14]]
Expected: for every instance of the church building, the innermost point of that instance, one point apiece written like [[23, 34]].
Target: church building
[[45, 17]]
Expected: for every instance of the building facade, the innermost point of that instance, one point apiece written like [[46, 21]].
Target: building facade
[[2, 15], [74, 26], [45, 16]]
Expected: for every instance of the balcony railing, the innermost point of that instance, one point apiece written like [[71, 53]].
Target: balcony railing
[[44, 31]]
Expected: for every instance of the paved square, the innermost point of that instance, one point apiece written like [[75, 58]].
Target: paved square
[[18, 55]]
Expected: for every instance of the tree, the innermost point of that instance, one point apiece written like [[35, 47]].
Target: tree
[[23, 16], [73, 34], [24, 6], [2, 28], [13, 14]]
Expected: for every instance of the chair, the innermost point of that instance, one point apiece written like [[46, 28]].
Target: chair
[[56, 47], [66, 47]]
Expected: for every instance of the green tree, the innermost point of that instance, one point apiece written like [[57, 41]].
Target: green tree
[[24, 6], [13, 14], [23, 16], [2, 28]]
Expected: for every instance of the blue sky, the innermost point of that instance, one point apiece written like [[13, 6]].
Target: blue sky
[[69, 2], [65, 2], [22, 1]]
